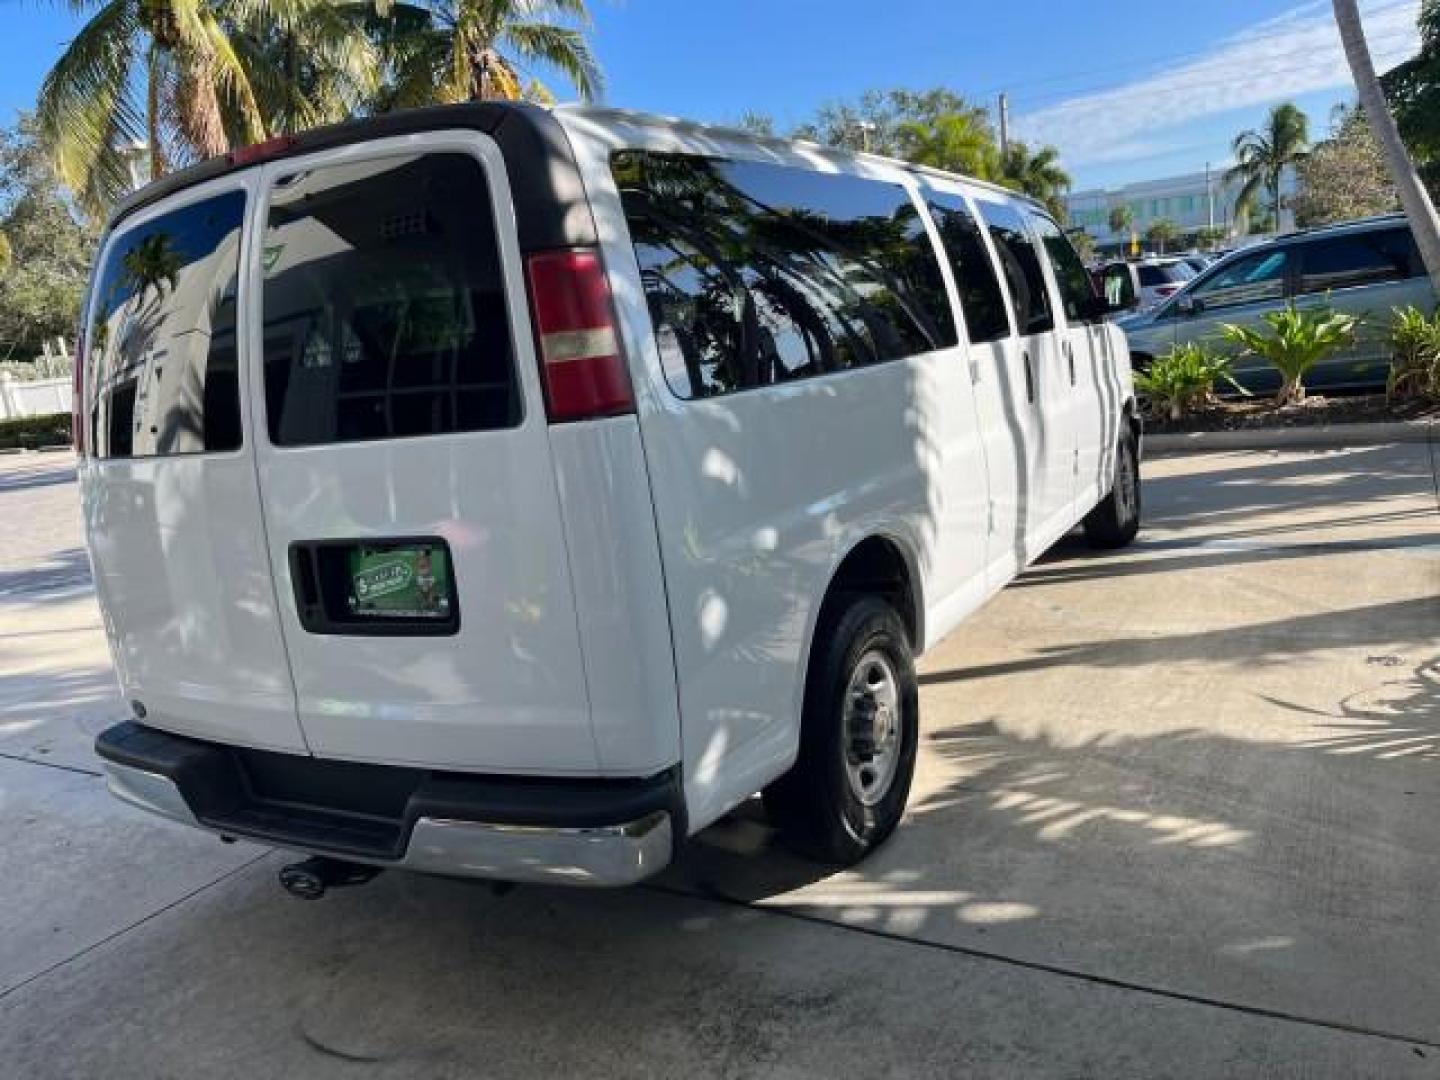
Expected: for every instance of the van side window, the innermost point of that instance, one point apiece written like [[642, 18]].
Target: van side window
[[161, 339], [1077, 293], [758, 274], [384, 304], [980, 296], [1368, 258], [1247, 280], [1028, 291]]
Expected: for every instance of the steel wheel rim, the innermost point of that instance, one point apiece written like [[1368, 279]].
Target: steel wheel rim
[[872, 728], [1125, 483]]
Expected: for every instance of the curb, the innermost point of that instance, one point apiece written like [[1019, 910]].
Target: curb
[[1294, 438]]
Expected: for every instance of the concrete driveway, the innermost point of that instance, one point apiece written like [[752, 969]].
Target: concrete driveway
[[1178, 814]]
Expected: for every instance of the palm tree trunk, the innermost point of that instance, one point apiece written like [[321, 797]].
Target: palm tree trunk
[[1413, 197], [152, 114]]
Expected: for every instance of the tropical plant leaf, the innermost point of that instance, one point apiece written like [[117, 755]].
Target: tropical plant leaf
[[86, 106]]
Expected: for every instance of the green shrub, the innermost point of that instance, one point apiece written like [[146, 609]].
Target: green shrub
[[1183, 379], [1294, 341], [1415, 354], [42, 367], [31, 431]]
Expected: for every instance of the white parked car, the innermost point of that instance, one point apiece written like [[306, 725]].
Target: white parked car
[[503, 492], [1140, 286]]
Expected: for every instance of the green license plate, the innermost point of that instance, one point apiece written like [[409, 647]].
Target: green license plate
[[400, 582]]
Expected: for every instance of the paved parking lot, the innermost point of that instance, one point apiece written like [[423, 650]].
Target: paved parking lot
[[1178, 814]]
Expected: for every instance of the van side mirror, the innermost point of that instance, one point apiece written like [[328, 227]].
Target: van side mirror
[[1102, 305]]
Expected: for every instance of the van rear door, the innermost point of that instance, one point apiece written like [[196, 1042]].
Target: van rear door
[[170, 498], [404, 458]]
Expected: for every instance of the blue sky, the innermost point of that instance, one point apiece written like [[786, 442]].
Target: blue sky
[[1127, 91]]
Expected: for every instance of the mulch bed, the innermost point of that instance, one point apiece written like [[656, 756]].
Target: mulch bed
[[1315, 410]]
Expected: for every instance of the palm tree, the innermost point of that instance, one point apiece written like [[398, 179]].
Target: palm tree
[[1263, 155], [959, 142], [310, 62], [1161, 232], [1121, 219], [154, 261], [1038, 175], [1419, 208], [476, 50], [160, 72]]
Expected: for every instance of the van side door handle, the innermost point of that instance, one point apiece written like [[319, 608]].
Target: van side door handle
[[1070, 359], [1029, 378]]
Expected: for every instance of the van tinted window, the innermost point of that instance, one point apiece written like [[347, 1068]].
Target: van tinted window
[[1153, 274], [1246, 280], [980, 296], [1028, 291], [1367, 258], [1076, 292], [161, 339], [384, 303], [758, 274]]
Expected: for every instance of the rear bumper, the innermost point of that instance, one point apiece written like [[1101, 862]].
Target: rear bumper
[[586, 832]]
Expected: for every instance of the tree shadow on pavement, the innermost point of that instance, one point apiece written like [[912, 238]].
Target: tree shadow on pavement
[[1410, 622], [64, 572], [29, 479]]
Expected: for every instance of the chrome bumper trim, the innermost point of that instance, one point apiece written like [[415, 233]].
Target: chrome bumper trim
[[610, 855], [606, 855], [149, 791]]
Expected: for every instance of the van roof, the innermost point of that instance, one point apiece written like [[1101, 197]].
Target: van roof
[[605, 114], [550, 205], [533, 143], [1321, 232]]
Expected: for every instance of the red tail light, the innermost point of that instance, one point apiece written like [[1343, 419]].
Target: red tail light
[[581, 367], [77, 395]]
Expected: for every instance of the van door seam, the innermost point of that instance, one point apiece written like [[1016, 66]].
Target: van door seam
[[252, 286]]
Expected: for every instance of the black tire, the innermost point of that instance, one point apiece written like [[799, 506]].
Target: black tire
[[818, 808], [1115, 521]]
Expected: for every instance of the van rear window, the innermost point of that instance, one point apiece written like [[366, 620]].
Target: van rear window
[[160, 345], [384, 303], [758, 274]]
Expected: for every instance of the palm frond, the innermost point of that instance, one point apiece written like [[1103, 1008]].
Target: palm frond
[[562, 48], [232, 89], [86, 106]]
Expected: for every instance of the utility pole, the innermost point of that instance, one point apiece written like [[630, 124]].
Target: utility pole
[[1209, 199], [1004, 123], [1413, 197]]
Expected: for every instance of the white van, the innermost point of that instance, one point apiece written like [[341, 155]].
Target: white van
[[497, 491]]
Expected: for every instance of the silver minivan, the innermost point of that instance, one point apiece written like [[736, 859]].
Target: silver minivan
[[1365, 268]]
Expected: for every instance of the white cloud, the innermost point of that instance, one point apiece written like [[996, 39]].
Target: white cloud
[[1292, 54]]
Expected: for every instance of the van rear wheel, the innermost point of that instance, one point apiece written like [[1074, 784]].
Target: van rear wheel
[[1115, 521], [847, 790]]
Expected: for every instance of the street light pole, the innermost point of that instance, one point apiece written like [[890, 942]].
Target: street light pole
[[1209, 198]]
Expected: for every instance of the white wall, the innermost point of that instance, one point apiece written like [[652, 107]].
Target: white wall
[[43, 397]]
